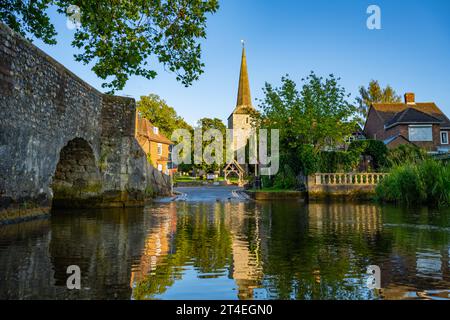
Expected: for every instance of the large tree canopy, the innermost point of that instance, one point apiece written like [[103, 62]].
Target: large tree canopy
[[120, 37], [318, 114], [375, 94], [160, 114], [206, 124]]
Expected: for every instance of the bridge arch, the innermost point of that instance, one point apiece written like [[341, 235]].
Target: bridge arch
[[77, 176]]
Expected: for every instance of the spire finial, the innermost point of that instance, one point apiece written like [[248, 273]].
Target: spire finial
[[244, 96]]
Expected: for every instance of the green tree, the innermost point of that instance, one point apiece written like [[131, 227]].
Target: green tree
[[119, 37], [375, 94], [318, 115], [160, 114], [206, 124]]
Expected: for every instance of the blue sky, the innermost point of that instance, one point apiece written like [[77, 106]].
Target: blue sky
[[411, 52]]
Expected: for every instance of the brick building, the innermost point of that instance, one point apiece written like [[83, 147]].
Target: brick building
[[419, 123], [154, 144]]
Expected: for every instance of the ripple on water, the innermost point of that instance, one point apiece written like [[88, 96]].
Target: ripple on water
[[230, 250]]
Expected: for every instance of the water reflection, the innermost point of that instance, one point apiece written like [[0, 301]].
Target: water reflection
[[230, 250]]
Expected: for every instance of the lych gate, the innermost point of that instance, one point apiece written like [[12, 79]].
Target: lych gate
[[234, 168]]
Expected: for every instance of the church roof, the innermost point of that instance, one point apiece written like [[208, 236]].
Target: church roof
[[244, 99]]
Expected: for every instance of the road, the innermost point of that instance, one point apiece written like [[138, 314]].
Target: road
[[209, 194]]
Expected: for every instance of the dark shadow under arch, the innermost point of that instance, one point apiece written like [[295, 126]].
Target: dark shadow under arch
[[77, 176]]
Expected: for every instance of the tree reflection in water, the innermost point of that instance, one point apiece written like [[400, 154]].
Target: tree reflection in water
[[291, 250], [230, 250]]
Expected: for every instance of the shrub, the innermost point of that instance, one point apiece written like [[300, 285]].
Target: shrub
[[374, 148], [427, 182], [435, 177], [326, 161], [267, 181], [406, 153], [402, 185], [338, 161], [286, 179], [309, 160]]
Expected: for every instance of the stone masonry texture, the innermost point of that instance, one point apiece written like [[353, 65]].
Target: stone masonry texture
[[62, 142]]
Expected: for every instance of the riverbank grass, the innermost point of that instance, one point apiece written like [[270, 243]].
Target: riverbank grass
[[427, 182]]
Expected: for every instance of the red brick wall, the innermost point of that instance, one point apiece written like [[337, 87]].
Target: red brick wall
[[427, 145], [374, 126]]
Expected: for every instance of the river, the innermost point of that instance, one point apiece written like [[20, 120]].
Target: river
[[213, 245]]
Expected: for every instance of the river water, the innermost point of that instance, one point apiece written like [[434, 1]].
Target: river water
[[214, 246]]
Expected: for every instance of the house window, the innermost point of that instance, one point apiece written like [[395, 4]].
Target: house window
[[155, 130], [159, 149], [421, 133], [246, 120], [444, 137]]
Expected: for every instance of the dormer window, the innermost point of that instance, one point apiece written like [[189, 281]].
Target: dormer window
[[155, 130]]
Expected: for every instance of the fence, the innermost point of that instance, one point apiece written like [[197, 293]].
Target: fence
[[347, 179]]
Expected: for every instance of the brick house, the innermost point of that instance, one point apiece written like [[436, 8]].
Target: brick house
[[422, 124], [154, 144]]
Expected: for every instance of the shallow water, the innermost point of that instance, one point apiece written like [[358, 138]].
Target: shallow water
[[230, 250]]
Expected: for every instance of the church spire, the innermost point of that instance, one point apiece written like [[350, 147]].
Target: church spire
[[244, 97]]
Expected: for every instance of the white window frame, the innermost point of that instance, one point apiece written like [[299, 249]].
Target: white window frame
[[420, 126], [442, 134], [155, 130], [159, 149]]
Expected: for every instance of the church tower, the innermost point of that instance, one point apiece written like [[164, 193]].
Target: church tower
[[239, 121]]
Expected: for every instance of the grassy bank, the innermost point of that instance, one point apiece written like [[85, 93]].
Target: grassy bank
[[426, 182]]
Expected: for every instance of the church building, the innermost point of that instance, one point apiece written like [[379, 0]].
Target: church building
[[239, 121]]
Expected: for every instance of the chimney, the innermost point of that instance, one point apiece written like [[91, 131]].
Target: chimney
[[410, 98]]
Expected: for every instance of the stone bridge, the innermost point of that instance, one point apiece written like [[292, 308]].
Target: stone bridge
[[62, 142]]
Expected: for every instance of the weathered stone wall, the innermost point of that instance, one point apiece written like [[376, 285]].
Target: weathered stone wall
[[339, 191], [127, 178], [43, 108]]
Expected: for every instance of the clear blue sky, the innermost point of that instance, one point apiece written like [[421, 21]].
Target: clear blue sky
[[411, 52]]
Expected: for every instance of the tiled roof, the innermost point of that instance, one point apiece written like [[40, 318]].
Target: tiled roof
[[387, 111], [144, 128], [395, 137], [411, 115]]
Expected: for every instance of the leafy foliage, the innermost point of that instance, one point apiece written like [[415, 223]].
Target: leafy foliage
[[120, 37], [338, 161], [308, 159], [318, 114], [160, 114], [285, 179], [374, 148], [28, 17], [427, 182], [341, 161], [309, 119], [375, 94], [406, 154], [205, 124]]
